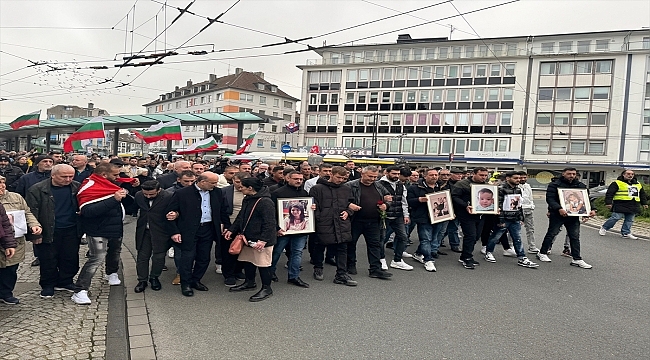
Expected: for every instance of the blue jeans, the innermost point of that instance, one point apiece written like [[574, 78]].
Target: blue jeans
[[297, 242], [429, 240], [514, 228], [100, 248], [451, 230], [627, 222], [399, 245]]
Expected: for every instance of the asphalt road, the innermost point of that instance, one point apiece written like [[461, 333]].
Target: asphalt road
[[499, 310]]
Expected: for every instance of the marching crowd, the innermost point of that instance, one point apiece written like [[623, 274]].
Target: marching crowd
[[59, 203]]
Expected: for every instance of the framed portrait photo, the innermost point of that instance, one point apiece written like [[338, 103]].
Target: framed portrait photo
[[440, 208], [484, 198], [575, 201], [295, 215], [511, 202]]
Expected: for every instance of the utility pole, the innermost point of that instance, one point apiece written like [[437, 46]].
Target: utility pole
[[375, 128]]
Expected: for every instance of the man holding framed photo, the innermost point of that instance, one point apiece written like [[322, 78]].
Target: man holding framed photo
[[559, 216]]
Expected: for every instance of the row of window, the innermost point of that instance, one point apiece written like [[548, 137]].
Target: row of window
[[583, 46], [273, 144], [417, 54], [429, 72], [569, 147], [576, 67], [423, 119], [201, 88], [429, 146], [262, 100], [579, 93], [575, 119]]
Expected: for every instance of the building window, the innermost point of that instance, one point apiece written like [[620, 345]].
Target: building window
[[506, 119], [596, 148], [446, 146], [544, 119], [432, 147], [563, 94], [178, 104], [510, 70], [393, 146], [507, 94], [260, 143], [407, 146], [474, 145], [582, 93], [646, 42], [579, 119], [599, 119], [262, 100], [286, 117], [602, 45], [493, 94], [577, 147], [202, 99], [443, 52], [646, 116], [288, 105], [645, 143], [481, 70], [460, 146], [561, 119], [584, 46], [566, 68], [566, 46], [469, 51], [601, 93], [547, 69], [503, 145], [583, 67], [218, 96], [604, 67], [274, 144], [464, 95], [548, 48], [495, 70], [488, 145], [559, 146]]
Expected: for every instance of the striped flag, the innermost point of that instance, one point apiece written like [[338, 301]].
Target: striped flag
[[163, 131], [93, 129], [200, 146], [26, 120]]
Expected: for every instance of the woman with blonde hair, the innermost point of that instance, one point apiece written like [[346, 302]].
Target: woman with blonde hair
[[18, 209]]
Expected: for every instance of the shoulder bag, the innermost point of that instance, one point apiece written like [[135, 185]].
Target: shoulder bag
[[240, 240]]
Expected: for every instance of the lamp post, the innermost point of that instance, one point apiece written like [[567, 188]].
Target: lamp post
[[375, 128]]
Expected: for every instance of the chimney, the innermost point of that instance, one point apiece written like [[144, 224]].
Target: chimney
[[213, 77], [238, 71], [189, 82], [91, 106], [260, 74], [176, 89]]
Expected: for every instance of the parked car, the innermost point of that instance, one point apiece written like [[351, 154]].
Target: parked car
[[597, 192]]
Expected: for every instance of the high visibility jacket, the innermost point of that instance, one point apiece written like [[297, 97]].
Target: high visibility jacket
[[627, 191]]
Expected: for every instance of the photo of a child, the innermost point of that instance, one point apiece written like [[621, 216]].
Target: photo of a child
[[439, 205], [295, 216], [575, 202], [483, 199]]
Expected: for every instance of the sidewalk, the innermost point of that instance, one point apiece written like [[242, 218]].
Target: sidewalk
[[53, 328], [640, 229]]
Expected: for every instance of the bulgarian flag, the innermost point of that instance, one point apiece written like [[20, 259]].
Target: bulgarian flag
[[95, 188], [200, 146], [247, 143], [93, 129], [164, 131], [26, 120]]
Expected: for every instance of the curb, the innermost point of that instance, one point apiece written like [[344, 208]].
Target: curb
[[117, 343], [641, 237], [140, 339]]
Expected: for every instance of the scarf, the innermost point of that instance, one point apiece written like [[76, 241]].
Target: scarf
[[95, 188]]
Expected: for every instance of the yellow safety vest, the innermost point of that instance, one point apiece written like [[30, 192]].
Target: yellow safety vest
[[627, 191]]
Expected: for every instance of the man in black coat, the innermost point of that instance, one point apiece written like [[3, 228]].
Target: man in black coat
[[43, 167], [166, 181], [354, 174], [201, 216], [11, 173], [333, 224], [151, 237]]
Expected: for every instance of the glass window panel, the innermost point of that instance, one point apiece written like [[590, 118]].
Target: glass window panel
[[419, 146], [380, 55], [460, 146], [479, 94], [426, 72], [400, 74], [369, 56], [601, 93], [433, 146], [374, 97], [311, 120], [602, 45], [563, 94], [451, 95], [405, 55], [334, 99], [450, 119], [547, 69], [394, 146], [469, 51], [446, 146], [491, 119], [463, 119], [566, 46], [543, 119], [358, 57], [497, 49], [348, 119], [474, 145], [545, 94], [464, 94], [453, 71], [381, 145], [431, 53], [383, 120], [488, 145], [424, 96], [443, 52], [481, 70], [599, 119], [361, 120], [596, 147], [422, 119], [314, 77], [408, 119], [583, 67], [374, 74], [566, 68], [399, 96], [352, 75], [482, 51], [559, 146], [541, 146], [410, 96], [323, 99], [645, 143], [333, 121], [363, 75], [358, 143], [440, 72], [324, 76], [493, 94], [361, 97], [507, 94], [388, 74], [467, 71], [397, 119], [417, 54], [413, 73], [455, 52], [512, 49], [603, 67], [579, 119], [477, 119], [313, 98], [385, 97], [561, 119], [495, 70], [349, 98], [577, 147], [437, 95], [336, 76], [584, 46], [510, 70], [548, 47], [407, 145], [392, 55], [582, 93], [435, 119], [506, 119], [322, 120], [503, 145]]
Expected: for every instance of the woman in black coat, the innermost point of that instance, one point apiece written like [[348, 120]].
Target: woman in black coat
[[256, 221]]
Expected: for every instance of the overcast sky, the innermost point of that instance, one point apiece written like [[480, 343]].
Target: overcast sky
[[64, 32]]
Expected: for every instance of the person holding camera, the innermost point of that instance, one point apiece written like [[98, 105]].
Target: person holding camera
[[256, 222]]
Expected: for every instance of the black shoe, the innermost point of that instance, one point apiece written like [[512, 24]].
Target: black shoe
[[330, 261], [68, 288], [468, 264], [47, 293], [198, 286], [155, 284], [345, 280], [389, 245], [164, 268], [274, 278], [456, 249], [141, 286], [230, 282], [318, 274], [11, 301], [380, 274], [298, 282], [36, 262], [442, 253], [263, 294], [187, 290], [240, 275], [244, 287], [352, 269]]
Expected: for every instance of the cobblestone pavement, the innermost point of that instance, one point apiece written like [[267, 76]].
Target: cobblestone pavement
[[639, 229], [54, 328]]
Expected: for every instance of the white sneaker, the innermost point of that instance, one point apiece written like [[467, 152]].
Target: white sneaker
[[543, 257], [406, 255], [630, 236], [430, 266], [525, 262], [218, 269], [170, 253], [418, 257], [602, 231], [400, 265], [81, 298], [510, 252], [580, 263], [113, 279], [483, 250], [384, 266], [490, 258]]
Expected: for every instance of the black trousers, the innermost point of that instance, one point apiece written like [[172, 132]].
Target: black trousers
[[265, 273], [146, 252], [371, 233], [341, 257], [196, 255], [572, 226], [472, 228], [8, 278], [60, 258]]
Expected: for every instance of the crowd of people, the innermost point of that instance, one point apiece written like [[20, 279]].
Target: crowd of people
[[185, 208]]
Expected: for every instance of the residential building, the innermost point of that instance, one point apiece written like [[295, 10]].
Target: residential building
[[239, 92], [73, 111], [538, 103]]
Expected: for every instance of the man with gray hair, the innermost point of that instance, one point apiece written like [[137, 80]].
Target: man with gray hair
[[82, 170], [369, 199], [168, 180]]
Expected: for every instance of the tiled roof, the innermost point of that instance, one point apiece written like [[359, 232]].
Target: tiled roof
[[245, 81]]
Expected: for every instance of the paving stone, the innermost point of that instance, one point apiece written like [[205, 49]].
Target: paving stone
[[144, 353], [139, 330], [140, 341]]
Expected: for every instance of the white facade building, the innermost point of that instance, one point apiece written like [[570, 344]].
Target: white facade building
[[534, 102], [239, 92]]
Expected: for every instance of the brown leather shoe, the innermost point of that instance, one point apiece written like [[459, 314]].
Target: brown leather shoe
[[177, 280]]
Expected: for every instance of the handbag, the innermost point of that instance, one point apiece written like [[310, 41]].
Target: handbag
[[240, 241]]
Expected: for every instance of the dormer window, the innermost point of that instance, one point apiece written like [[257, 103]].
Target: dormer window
[[274, 88], [260, 87]]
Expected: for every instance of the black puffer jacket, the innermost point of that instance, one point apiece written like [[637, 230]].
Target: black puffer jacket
[[419, 210], [103, 218], [625, 206], [461, 196], [262, 225], [11, 174], [509, 214], [331, 200], [552, 195]]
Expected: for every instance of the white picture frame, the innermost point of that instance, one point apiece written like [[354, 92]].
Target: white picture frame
[[484, 198], [440, 206], [575, 201], [304, 223]]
